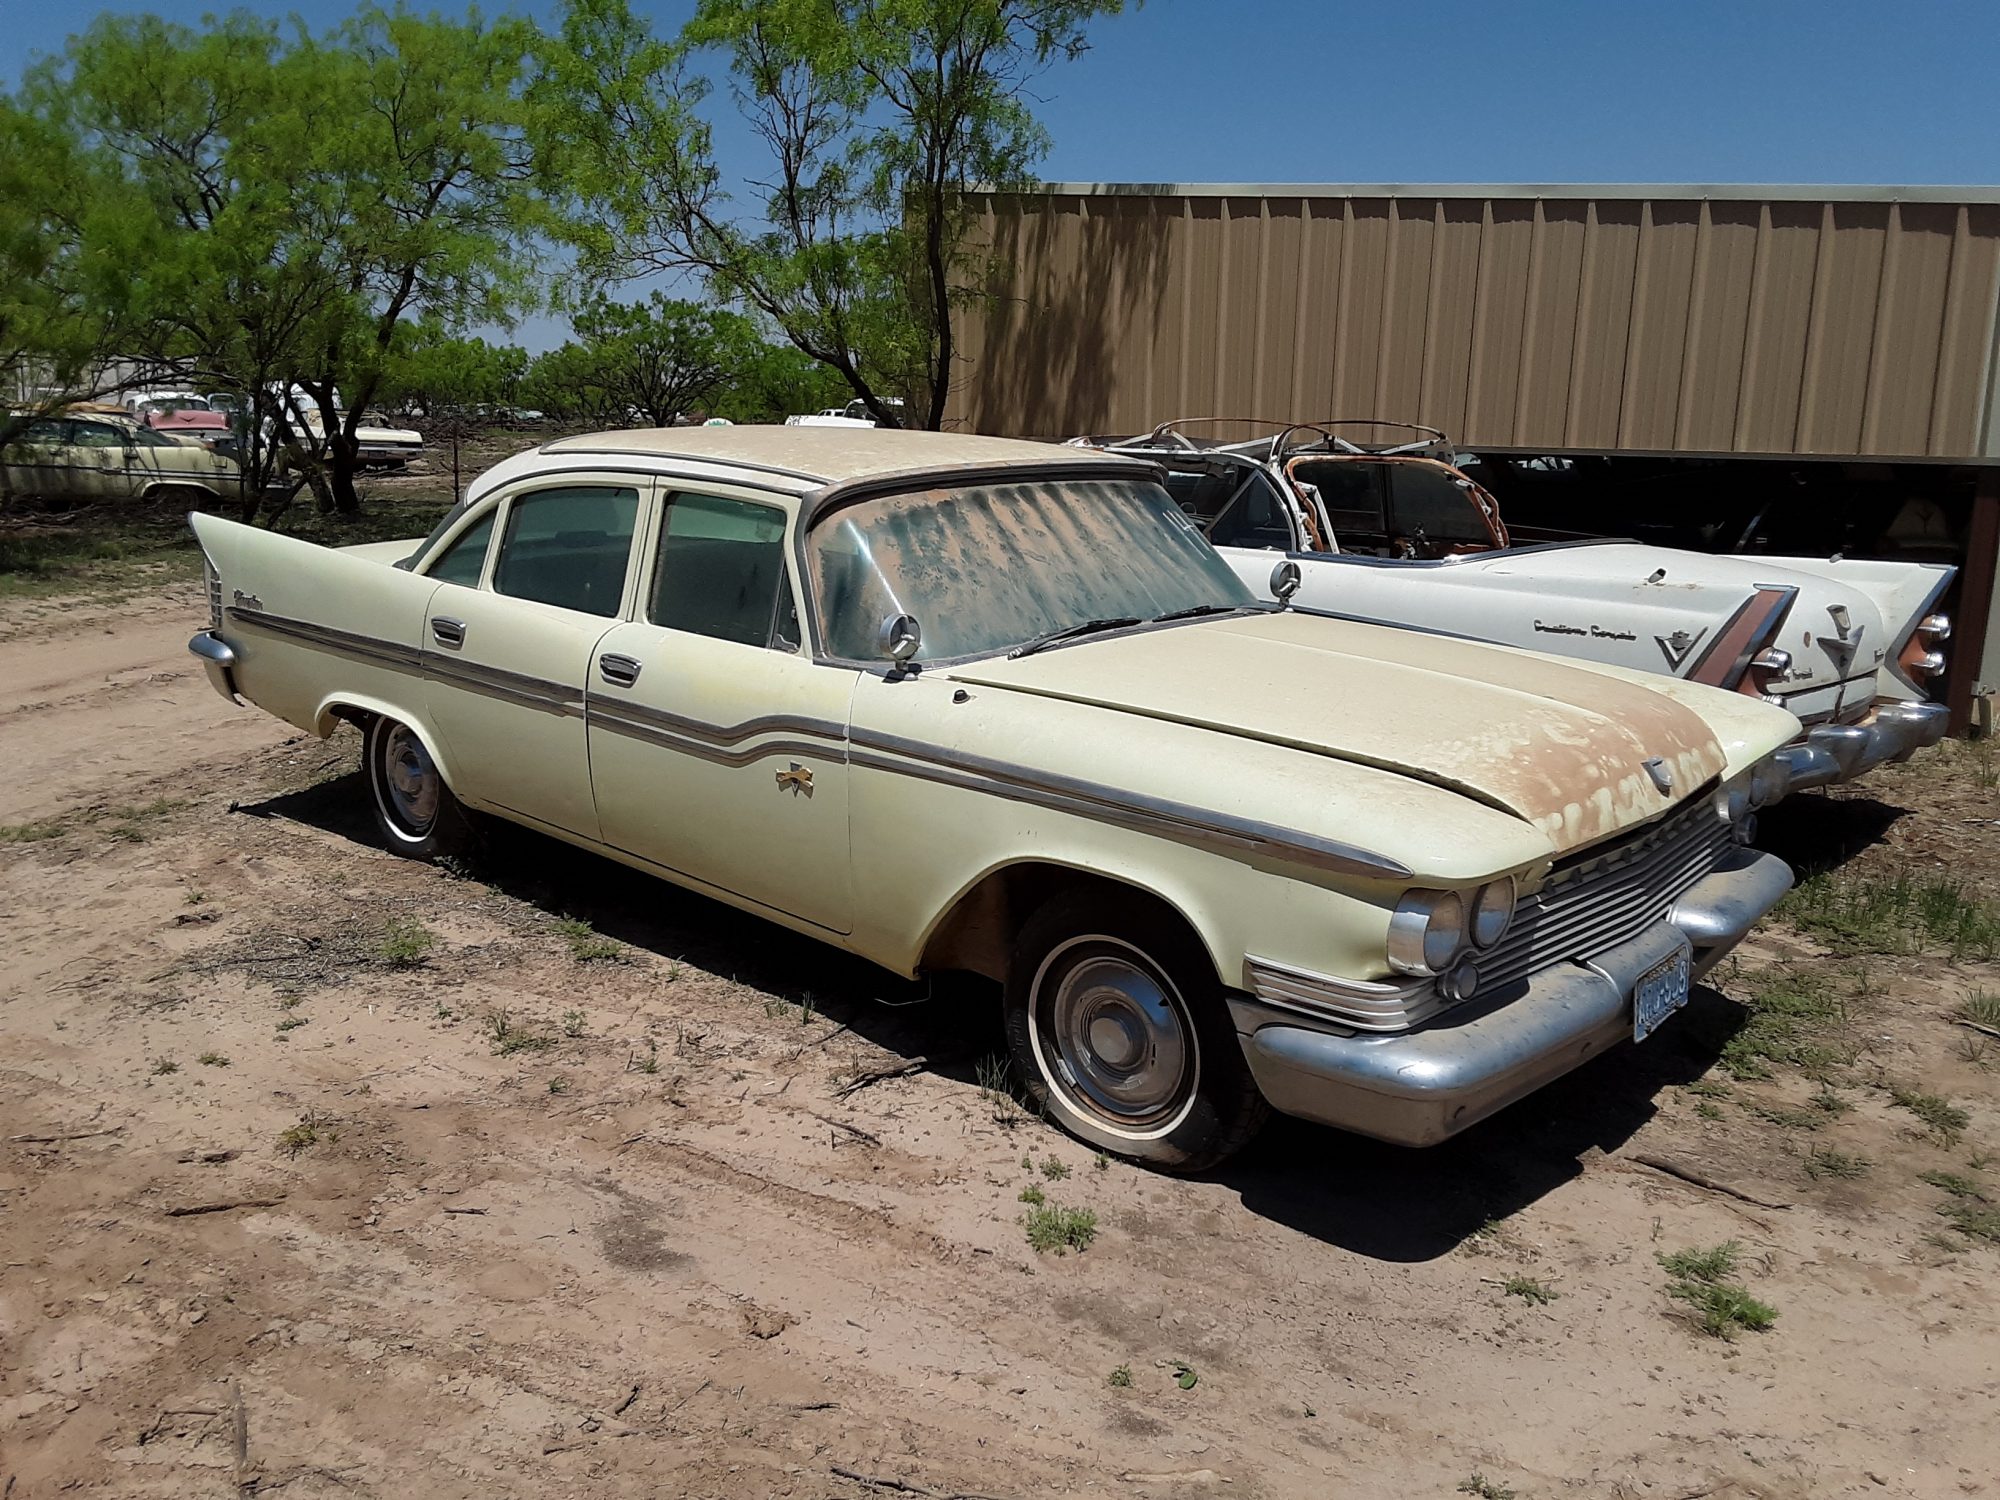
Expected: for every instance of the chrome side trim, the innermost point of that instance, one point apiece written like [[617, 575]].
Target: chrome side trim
[[618, 719], [367, 647], [1189, 825], [509, 687]]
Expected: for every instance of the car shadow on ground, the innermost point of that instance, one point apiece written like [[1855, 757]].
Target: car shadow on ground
[[1812, 831], [1385, 1202]]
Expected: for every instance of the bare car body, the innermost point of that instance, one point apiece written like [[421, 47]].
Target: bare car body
[[1399, 534]]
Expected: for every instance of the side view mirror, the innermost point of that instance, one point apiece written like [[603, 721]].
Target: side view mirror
[[1285, 580], [899, 638]]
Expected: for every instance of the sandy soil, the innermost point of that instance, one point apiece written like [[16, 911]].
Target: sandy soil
[[282, 1215]]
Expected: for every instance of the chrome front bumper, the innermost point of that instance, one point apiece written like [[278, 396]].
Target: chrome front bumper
[[218, 659], [1840, 752], [1418, 1088]]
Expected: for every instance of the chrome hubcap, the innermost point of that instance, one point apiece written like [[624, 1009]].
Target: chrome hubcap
[[1115, 1037], [410, 780]]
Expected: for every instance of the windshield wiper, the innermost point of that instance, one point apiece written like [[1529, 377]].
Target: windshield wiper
[[1069, 632], [1194, 611]]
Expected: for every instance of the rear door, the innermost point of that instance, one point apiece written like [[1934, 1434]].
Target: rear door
[[506, 654], [717, 745]]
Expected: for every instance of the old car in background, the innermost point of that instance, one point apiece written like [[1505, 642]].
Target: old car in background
[[1397, 533], [190, 421], [959, 703], [378, 447], [86, 457]]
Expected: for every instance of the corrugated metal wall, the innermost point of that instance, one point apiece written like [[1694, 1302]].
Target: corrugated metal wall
[[1706, 324]]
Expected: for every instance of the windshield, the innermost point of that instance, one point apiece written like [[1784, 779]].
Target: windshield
[[988, 567]]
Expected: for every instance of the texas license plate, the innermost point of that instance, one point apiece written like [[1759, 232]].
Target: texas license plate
[[1662, 990]]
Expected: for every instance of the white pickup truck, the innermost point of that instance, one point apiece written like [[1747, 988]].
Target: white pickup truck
[[1397, 534]]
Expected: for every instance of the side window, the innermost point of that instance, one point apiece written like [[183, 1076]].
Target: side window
[[721, 572], [96, 435], [465, 559], [568, 547]]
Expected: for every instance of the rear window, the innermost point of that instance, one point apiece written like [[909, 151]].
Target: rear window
[[568, 547]]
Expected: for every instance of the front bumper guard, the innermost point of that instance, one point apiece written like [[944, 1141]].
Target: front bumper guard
[[1418, 1088], [218, 659], [1840, 752]]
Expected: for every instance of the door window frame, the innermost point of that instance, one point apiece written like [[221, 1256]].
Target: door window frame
[[500, 506], [665, 489]]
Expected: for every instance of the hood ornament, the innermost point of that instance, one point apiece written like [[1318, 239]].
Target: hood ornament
[[1661, 772], [1675, 647]]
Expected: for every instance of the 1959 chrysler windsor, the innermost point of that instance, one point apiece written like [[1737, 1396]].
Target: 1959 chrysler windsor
[[965, 703], [1401, 535]]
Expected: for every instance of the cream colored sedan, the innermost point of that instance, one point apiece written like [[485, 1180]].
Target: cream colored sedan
[[964, 703]]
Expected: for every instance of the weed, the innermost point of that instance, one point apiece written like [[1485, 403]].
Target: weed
[[559, 1084], [33, 833], [1975, 1050], [1054, 1170], [1827, 1102], [996, 1081], [586, 944], [213, 1060], [1831, 1163], [163, 1066], [650, 1063], [1941, 1117], [1484, 1488], [507, 1038], [1120, 1377], [1032, 1194], [1955, 1183], [1982, 1008], [572, 1023], [291, 1023], [1100, 1162], [405, 944], [291, 1002], [1529, 1290], [1973, 1221], [1709, 1088], [1707, 1111], [1979, 1161], [1699, 1279], [1791, 1012], [1937, 1239], [196, 897], [444, 1013], [128, 824], [294, 1139], [1791, 1119], [1053, 1227], [1898, 913]]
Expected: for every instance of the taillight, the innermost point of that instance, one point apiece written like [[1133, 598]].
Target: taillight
[[1921, 658], [1934, 629], [1765, 668]]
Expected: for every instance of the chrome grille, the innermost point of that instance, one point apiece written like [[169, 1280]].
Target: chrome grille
[[214, 581], [1611, 897]]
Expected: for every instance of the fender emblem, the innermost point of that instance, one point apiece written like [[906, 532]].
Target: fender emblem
[[1661, 772], [248, 601], [1675, 647], [798, 779]]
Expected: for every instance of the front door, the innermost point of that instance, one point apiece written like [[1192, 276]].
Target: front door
[[506, 656], [717, 745]]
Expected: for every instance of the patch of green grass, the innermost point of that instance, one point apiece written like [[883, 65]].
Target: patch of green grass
[[1100, 1162], [1790, 1119], [996, 1082], [33, 833], [650, 1063], [559, 1084], [1795, 1020], [1054, 1170], [1955, 1183], [1484, 1488], [572, 1023], [1033, 1194], [1900, 913], [586, 944], [1982, 1008], [1941, 1117], [302, 1137], [1838, 1164], [127, 824], [1974, 1221], [1053, 1227], [508, 1039], [163, 1066], [1529, 1290], [1699, 1278], [1827, 1102], [96, 552], [1120, 1377], [291, 1023], [213, 1060], [1707, 1111], [405, 944], [1708, 1088]]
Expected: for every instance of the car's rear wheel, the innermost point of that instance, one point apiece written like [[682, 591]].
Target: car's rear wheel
[[1120, 1032], [418, 816]]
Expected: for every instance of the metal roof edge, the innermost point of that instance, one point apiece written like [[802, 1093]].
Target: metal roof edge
[[1754, 192]]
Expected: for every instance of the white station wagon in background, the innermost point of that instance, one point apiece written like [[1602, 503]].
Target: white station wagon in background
[[960, 703], [1399, 534]]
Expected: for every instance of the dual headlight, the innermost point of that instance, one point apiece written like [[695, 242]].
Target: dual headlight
[[1437, 932]]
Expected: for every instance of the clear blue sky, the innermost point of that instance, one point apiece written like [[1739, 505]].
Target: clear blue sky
[[1837, 91]]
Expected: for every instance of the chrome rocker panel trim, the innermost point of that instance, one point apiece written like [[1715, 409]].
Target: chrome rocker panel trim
[[217, 659], [1840, 752], [1420, 1087]]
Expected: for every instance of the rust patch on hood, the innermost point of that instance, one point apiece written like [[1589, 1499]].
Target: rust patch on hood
[[1563, 748]]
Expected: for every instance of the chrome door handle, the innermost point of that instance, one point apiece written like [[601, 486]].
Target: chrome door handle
[[447, 631], [619, 671]]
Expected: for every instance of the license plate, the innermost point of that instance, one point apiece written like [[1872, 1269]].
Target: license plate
[[1662, 990]]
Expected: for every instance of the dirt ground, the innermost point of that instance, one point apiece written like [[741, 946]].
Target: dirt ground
[[326, 1174]]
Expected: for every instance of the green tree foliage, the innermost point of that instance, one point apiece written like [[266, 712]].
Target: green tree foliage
[[434, 372], [878, 115], [777, 381]]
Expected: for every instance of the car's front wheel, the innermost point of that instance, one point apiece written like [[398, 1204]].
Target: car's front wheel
[[1120, 1032], [418, 816]]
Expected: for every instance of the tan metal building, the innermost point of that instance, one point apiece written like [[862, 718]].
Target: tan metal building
[[1825, 322]]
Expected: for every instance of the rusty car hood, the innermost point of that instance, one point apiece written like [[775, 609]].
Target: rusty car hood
[[1561, 746]]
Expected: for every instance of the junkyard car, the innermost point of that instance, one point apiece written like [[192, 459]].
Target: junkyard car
[[199, 426], [962, 703], [1400, 534], [89, 458]]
